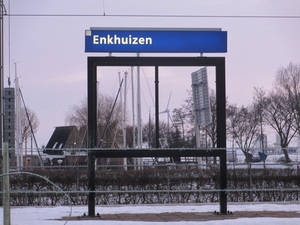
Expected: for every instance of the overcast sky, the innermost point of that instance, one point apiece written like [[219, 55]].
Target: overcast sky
[[51, 62]]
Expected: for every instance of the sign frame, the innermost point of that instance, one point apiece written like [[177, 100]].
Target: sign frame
[[92, 65]]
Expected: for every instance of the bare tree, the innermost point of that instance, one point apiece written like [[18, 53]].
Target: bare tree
[[211, 129], [184, 121], [279, 116], [183, 118], [29, 126], [179, 119], [260, 102], [282, 111], [288, 84], [243, 126], [108, 119], [149, 134]]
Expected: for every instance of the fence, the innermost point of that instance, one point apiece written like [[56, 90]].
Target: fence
[[184, 183], [152, 183]]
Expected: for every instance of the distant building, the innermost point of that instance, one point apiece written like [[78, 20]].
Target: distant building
[[9, 119]]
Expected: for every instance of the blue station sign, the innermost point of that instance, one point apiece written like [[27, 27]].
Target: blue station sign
[[156, 40]]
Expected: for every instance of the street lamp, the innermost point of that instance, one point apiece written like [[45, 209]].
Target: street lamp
[[59, 161]]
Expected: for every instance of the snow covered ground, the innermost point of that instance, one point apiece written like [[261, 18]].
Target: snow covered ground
[[49, 215]]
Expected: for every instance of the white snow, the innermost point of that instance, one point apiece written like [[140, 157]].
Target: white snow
[[49, 215]]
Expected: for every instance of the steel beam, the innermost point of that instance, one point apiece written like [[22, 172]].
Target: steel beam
[[157, 152]]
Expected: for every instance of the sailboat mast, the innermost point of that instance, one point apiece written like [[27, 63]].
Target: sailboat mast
[[18, 137], [124, 119], [124, 110], [133, 111], [139, 116]]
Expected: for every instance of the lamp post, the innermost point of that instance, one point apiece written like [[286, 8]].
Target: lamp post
[[59, 161], [2, 13], [51, 163]]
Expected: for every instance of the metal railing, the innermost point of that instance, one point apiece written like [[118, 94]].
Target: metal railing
[[175, 183]]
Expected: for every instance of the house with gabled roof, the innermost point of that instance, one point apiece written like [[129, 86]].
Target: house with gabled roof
[[65, 141], [67, 146]]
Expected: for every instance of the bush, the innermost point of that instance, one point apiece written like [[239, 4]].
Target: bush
[[154, 185]]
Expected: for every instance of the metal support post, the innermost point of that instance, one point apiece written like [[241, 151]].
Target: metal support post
[[92, 133], [6, 199], [156, 108], [2, 12], [221, 130]]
